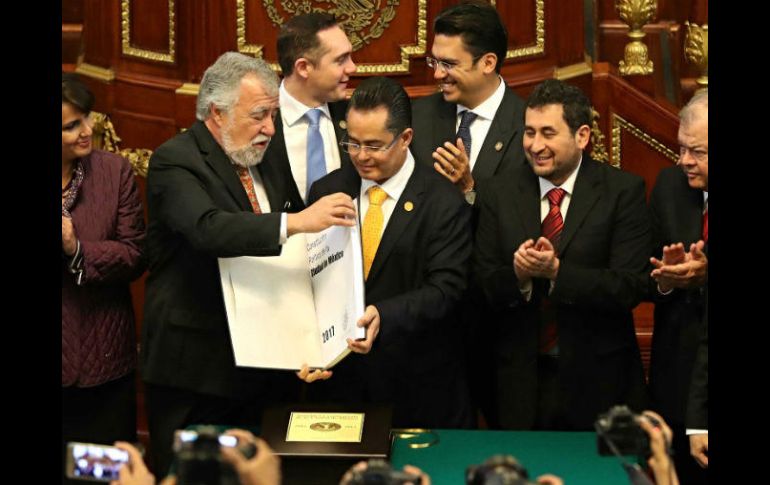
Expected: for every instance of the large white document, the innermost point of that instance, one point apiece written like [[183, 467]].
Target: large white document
[[297, 308]]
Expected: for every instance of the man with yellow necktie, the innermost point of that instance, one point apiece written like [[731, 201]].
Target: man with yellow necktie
[[416, 243]]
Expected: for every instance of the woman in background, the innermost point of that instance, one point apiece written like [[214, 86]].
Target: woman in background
[[102, 227]]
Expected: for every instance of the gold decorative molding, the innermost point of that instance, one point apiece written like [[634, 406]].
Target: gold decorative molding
[[539, 46], [696, 51], [619, 124], [355, 16], [574, 70], [188, 89], [96, 72], [106, 138], [636, 13], [351, 21], [125, 31], [598, 150]]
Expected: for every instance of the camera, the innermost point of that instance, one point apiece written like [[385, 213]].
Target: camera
[[97, 463], [620, 427], [199, 460], [497, 470], [379, 472]]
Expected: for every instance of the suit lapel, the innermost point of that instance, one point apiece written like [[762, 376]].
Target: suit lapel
[[276, 173], [499, 137], [689, 214], [399, 220], [219, 162], [444, 127], [585, 194], [526, 202], [337, 111]]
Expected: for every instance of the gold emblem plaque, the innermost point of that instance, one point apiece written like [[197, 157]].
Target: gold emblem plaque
[[325, 427]]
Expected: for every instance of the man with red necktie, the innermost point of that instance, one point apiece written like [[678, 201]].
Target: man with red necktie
[[679, 211], [561, 255]]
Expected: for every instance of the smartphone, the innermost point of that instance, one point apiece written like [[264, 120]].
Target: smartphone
[[96, 463], [186, 436]]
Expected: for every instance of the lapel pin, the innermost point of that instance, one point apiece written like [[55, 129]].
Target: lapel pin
[[498, 146], [287, 205], [343, 125], [408, 206]]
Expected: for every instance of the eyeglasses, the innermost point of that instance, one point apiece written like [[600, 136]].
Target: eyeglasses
[[698, 154], [434, 63], [355, 148]]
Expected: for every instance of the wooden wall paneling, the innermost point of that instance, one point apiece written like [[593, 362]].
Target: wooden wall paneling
[[71, 32], [207, 29], [101, 22], [149, 22], [568, 32]]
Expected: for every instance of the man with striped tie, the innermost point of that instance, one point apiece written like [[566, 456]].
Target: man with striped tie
[[416, 244], [561, 257]]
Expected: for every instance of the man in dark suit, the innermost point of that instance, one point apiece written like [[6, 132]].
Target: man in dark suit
[[416, 248], [208, 199], [315, 58], [560, 255], [469, 46], [697, 418], [679, 212]]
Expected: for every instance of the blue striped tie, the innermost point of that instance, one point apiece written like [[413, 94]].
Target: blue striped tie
[[464, 131], [316, 162]]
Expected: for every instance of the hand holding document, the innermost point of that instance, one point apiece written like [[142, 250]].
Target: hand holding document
[[298, 308]]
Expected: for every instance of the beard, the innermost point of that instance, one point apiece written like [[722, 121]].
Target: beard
[[247, 156]]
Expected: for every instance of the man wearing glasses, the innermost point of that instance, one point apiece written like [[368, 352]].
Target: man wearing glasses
[[474, 104], [679, 211], [470, 131], [416, 241]]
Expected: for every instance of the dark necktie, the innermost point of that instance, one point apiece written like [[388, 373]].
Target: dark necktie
[[551, 230], [464, 131], [316, 161], [706, 224]]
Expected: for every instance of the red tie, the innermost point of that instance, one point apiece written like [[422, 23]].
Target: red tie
[[553, 222], [706, 225], [551, 230], [248, 186]]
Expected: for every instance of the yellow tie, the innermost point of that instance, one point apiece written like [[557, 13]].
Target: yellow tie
[[372, 230]]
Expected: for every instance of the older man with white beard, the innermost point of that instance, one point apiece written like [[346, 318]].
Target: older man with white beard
[[208, 199]]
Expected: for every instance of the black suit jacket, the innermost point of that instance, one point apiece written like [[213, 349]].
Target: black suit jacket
[[198, 212], [697, 404], [416, 280], [435, 120], [276, 164], [602, 276], [676, 212]]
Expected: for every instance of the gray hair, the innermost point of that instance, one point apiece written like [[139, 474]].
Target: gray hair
[[222, 79], [697, 107]]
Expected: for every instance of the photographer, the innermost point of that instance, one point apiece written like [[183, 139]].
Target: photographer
[[660, 435], [264, 468], [355, 473]]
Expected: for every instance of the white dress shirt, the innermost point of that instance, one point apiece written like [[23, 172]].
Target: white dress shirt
[[480, 127], [394, 187], [295, 137]]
